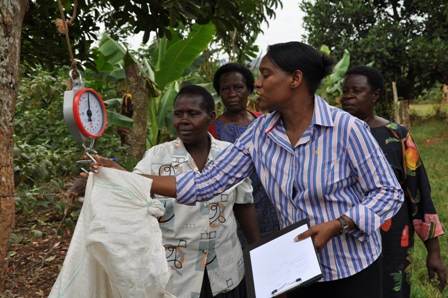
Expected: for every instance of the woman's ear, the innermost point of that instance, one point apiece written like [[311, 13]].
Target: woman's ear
[[376, 95], [297, 78], [212, 117]]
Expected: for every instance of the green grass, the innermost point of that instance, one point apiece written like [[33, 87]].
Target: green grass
[[431, 137], [427, 110], [423, 110]]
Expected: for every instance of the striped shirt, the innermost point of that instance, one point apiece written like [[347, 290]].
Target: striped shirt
[[335, 168]]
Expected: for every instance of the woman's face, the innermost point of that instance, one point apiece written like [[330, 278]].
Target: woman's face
[[233, 91], [190, 119], [358, 97], [273, 87]]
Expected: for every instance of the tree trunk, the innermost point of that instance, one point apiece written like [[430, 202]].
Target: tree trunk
[[140, 92], [396, 103], [445, 93], [11, 19], [405, 119]]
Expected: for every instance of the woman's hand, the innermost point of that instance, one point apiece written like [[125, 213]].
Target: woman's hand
[[434, 263], [321, 233], [101, 162]]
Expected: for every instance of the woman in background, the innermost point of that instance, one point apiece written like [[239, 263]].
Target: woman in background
[[362, 88], [234, 83]]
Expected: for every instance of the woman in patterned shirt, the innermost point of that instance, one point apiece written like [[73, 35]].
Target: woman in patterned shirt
[[363, 87]]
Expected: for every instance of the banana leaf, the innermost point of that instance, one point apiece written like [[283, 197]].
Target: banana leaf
[[166, 103], [340, 68], [116, 119], [113, 103], [182, 53], [111, 49]]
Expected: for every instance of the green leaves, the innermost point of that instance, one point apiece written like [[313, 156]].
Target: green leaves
[[340, 68], [404, 38], [171, 60], [334, 80], [166, 104], [181, 54], [116, 119], [111, 49]]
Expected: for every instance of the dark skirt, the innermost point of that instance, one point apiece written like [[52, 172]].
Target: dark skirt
[[366, 284], [238, 292]]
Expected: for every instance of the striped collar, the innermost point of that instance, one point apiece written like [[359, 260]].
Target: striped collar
[[321, 115]]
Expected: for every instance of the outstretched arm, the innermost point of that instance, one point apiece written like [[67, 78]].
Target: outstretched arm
[[161, 185]]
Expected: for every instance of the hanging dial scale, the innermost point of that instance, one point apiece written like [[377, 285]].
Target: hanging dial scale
[[84, 113]]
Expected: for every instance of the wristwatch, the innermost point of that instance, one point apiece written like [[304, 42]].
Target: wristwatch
[[344, 225]]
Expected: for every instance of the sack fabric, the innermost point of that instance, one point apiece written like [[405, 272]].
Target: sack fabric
[[116, 249]]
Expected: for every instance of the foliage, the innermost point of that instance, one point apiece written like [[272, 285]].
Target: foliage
[[432, 95], [39, 129], [332, 84], [427, 111], [45, 155], [181, 54], [40, 37], [237, 24], [43, 147], [167, 63], [404, 38]]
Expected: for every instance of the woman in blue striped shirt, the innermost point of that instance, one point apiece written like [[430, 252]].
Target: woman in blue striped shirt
[[315, 161]]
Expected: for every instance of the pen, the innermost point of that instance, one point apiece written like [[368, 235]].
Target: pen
[[276, 290]]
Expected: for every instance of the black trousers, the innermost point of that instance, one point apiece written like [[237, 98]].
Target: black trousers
[[206, 291], [366, 284]]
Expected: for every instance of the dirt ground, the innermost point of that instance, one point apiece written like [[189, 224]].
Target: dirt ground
[[37, 254], [33, 267]]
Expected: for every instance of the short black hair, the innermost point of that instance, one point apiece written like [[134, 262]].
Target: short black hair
[[295, 55], [233, 67], [374, 77], [208, 102]]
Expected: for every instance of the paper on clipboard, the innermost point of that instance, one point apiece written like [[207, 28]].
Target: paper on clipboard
[[278, 264]]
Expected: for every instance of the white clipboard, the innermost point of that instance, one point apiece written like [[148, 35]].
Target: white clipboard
[[277, 264]]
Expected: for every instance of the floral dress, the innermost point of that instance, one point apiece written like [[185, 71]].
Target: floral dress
[[416, 214]]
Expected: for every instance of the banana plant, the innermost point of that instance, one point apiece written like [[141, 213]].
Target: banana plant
[[170, 59], [333, 82]]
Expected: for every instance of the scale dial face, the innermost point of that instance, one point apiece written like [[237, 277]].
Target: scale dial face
[[89, 113]]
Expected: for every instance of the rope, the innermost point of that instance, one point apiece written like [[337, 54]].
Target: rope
[[63, 29]]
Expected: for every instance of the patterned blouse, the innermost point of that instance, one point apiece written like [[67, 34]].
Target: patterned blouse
[[202, 235], [402, 154], [417, 213]]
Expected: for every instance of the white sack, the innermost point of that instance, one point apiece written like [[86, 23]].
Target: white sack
[[116, 249]]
